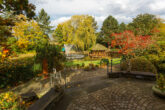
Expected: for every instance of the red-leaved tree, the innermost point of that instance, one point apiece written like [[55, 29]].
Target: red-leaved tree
[[130, 45]]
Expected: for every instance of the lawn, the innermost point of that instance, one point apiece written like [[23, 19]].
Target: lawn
[[87, 62]]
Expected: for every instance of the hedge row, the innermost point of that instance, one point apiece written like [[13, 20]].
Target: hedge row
[[16, 71]]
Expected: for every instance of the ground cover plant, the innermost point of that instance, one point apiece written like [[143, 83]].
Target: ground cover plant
[[11, 101]]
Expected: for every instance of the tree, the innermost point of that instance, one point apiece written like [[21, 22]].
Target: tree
[[110, 25], [130, 45], [50, 57], [122, 27], [18, 7], [44, 21], [7, 20], [28, 33], [58, 35], [79, 30], [144, 24]]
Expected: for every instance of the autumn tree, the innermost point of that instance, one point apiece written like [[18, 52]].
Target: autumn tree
[[28, 33], [79, 30], [130, 45], [43, 20], [18, 7]]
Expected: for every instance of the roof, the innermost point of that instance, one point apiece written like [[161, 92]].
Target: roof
[[99, 47]]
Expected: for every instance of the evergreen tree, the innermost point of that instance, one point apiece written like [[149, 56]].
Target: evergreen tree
[[110, 25], [122, 27], [43, 20]]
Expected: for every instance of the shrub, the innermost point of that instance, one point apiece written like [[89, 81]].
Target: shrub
[[11, 101], [83, 65], [15, 71], [160, 79], [139, 64], [78, 66], [87, 58], [104, 61], [158, 61], [87, 68], [161, 67], [90, 67]]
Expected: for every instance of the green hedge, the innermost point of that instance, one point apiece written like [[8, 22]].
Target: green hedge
[[16, 71], [139, 64]]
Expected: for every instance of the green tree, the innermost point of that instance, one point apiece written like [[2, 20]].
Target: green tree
[[18, 7], [58, 35], [7, 20], [80, 31], [110, 25], [144, 24], [44, 21], [122, 27]]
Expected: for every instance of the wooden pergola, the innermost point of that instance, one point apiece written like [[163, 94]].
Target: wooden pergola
[[98, 51]]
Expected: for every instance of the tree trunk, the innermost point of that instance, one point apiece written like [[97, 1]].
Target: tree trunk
[[129, 66], [45, 67]]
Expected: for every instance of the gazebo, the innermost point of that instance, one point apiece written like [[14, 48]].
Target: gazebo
[[98, 51]]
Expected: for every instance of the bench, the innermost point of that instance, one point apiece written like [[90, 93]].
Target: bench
[[133, 74]]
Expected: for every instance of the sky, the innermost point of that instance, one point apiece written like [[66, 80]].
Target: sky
[[122, 10]]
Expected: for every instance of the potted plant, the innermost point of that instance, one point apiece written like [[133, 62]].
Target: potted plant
[[159, 88]]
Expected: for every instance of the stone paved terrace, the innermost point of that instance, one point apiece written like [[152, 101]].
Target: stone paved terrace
[[94, 91]]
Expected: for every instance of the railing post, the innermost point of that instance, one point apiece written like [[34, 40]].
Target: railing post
[[107, 68], [111, 65]]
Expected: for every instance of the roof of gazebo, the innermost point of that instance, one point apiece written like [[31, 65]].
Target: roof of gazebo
[[99, 47]]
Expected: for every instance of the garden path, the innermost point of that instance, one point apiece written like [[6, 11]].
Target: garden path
[[92, 90]]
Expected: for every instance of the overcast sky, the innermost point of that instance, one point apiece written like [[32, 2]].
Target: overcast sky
[[122, 10]]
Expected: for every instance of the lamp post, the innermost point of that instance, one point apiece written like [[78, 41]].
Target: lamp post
[[111, 64]]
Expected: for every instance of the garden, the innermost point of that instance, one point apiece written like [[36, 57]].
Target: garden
[[31, 49]]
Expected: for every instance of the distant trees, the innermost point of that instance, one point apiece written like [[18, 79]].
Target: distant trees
[[80, 31], [144, 24]]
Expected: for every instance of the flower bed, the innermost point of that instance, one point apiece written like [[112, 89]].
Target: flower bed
[[11, 101], [159, 88]]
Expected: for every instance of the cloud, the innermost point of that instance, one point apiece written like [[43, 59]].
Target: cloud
[[59, 20], [122, 10]]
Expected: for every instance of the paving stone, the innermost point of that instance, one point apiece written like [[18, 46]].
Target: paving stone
[[121, 94]]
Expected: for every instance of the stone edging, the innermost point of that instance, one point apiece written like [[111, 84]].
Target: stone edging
[[158, 91], [49, 98]]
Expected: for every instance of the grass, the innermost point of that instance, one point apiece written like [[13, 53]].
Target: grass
[[87, 62]]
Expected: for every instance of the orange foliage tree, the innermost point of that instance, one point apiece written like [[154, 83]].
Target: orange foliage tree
[[130, 44]]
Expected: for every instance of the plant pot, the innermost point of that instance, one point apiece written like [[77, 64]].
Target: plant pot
[[158, 92]]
